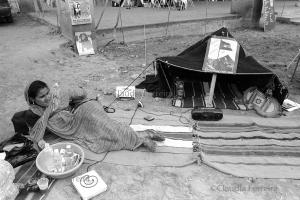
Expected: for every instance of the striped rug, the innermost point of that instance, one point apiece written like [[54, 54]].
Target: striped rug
[[226, 96], [263, 153]]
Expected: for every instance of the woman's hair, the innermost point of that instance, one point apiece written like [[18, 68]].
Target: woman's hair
[[34, 89]]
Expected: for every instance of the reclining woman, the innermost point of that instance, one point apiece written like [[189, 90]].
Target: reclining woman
[[68, 114]]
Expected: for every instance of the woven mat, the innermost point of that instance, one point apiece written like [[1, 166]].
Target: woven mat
[[226, 96]]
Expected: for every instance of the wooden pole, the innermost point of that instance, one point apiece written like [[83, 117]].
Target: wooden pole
[[212, 90], [282, 8], [145, 39], [102, 13], [205, 16], [58, 14], [117, 23], [168, 20], [122, 27]]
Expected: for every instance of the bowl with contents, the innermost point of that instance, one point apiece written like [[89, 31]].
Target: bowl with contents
[[60, 160]]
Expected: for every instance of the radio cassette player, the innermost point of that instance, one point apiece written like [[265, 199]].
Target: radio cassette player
[[206, 114]]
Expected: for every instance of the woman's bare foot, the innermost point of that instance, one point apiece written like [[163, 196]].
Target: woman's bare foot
[[149, 144], [154, 135]]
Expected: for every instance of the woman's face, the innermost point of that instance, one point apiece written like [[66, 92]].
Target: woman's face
[[43, 97]]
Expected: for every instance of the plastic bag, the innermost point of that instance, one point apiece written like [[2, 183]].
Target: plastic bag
[[19, 150], [8, 190]]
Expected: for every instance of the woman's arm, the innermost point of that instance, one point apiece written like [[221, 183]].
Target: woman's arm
[[71, 96]]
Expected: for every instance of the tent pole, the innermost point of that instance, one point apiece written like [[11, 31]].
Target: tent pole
[[171, 93], [212, 90], [298, 54]]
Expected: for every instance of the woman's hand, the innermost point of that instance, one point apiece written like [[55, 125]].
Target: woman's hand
[[53, 104], [36, 146], [41, 144]]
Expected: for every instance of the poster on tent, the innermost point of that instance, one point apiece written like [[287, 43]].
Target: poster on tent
[[80, 11], [84, 43], [221, 55], [268, 15]]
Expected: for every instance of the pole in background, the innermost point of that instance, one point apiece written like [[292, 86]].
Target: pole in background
[[145, 39], [168, 20]]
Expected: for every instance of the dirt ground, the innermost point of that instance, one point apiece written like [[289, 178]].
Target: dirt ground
[[29, 51]]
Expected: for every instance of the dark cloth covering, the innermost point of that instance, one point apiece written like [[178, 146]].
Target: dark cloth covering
[[188, 67]]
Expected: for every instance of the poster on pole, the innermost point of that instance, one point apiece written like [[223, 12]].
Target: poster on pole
[[80, 12], [221, 55], [84, 43], [268, 15]]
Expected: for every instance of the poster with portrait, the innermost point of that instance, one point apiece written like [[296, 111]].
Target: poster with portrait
[[80, 12], [221, 55], [84, 43]]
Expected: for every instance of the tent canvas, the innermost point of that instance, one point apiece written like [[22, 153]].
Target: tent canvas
[[188, 67]]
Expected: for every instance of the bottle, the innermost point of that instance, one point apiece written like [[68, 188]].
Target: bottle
[[69, 151], [62, 152], [55, 93], [68, 157], [57, 160], [48, 153], [8, 190], [48, 150]]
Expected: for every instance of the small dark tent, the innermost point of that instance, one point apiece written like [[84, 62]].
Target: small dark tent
[[187, 66]]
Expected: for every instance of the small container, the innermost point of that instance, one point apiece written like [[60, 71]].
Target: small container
[[62, 152], [43, 183]]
